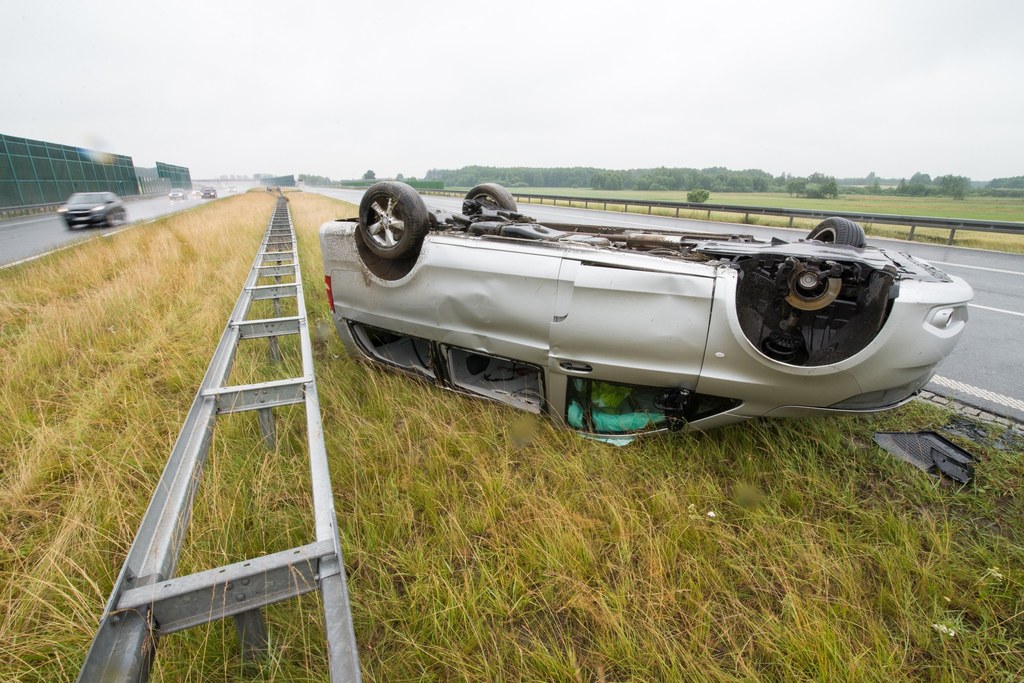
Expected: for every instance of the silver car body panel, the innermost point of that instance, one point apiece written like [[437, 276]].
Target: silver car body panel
[[904, 353], [580, 310]]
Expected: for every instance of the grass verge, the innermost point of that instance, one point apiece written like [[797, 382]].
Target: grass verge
[[472, 554]]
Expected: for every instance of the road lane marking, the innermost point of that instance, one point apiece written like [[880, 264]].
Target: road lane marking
[[105, 233], [963, 265], [14, 222], [997, 310], [47, 253], [1000, 399]]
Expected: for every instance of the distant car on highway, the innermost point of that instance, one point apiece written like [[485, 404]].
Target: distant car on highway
[[196, 194], [91, 209], [177, 193], [209, 193]]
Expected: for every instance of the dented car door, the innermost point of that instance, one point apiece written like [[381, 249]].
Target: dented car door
[[662, 316]]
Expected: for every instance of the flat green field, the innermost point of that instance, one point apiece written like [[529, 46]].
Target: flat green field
[[973, 207], [982, 208], [479, 545]]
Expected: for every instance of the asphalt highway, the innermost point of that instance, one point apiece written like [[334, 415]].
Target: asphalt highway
[[28, 236], [984, 370]]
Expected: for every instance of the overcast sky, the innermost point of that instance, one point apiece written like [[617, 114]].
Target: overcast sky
[[335, 88]]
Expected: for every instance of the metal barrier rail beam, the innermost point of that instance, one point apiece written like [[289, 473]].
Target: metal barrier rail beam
[[951, 224], [148, 600]]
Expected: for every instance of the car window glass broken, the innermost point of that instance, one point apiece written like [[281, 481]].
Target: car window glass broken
[[404, 351], [497, 378], [612, 408]]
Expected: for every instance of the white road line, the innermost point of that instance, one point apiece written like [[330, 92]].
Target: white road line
[[47, 253], [963, 265], [12, 222], [1006, 401], [997, 310], [106, 233]]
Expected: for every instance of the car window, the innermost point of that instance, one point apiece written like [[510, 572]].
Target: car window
[[612, 408], [83, 197], [506, 380], [393, 348]]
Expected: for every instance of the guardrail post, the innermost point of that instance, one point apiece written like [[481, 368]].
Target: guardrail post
[[791, 221], [265, 417], [677, 212], [252, 632], [952, 233], [273, 350], [910, 238]]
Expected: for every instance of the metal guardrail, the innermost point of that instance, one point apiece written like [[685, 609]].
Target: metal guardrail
[[914, 222], [148, 601]]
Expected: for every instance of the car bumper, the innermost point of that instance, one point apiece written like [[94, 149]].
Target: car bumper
[[922, 328], [83, 220]]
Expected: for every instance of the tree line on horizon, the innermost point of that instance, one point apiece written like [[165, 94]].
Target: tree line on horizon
[[720, 179], [715, 179]]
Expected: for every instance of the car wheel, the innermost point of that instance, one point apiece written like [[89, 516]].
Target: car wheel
[[840, 231], [112, 219], [493, 196], [392, 219]]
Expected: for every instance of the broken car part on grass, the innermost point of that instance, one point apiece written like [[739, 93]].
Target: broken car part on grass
[[929, 452]]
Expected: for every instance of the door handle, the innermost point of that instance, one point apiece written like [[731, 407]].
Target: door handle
[[570, 366]]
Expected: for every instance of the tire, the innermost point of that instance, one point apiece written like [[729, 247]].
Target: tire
[[112, 221], [839, 231], [392, 220], [493, 196]]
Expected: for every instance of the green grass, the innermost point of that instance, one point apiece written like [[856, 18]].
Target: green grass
[[982, 208], [472, 553]]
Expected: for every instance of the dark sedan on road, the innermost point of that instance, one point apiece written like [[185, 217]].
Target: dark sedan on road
[[209, 193], [91, 209]]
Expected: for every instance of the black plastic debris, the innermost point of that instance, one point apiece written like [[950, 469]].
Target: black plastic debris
[[929, 452], [1006, 440]]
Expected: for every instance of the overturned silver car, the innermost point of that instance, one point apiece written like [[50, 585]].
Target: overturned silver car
[[617, 332]]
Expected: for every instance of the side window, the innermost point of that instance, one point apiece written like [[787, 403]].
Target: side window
[[394, 348], [612, 408], [508, 381]]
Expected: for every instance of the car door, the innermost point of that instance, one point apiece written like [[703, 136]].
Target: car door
[[622, 322], [491, 296]]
